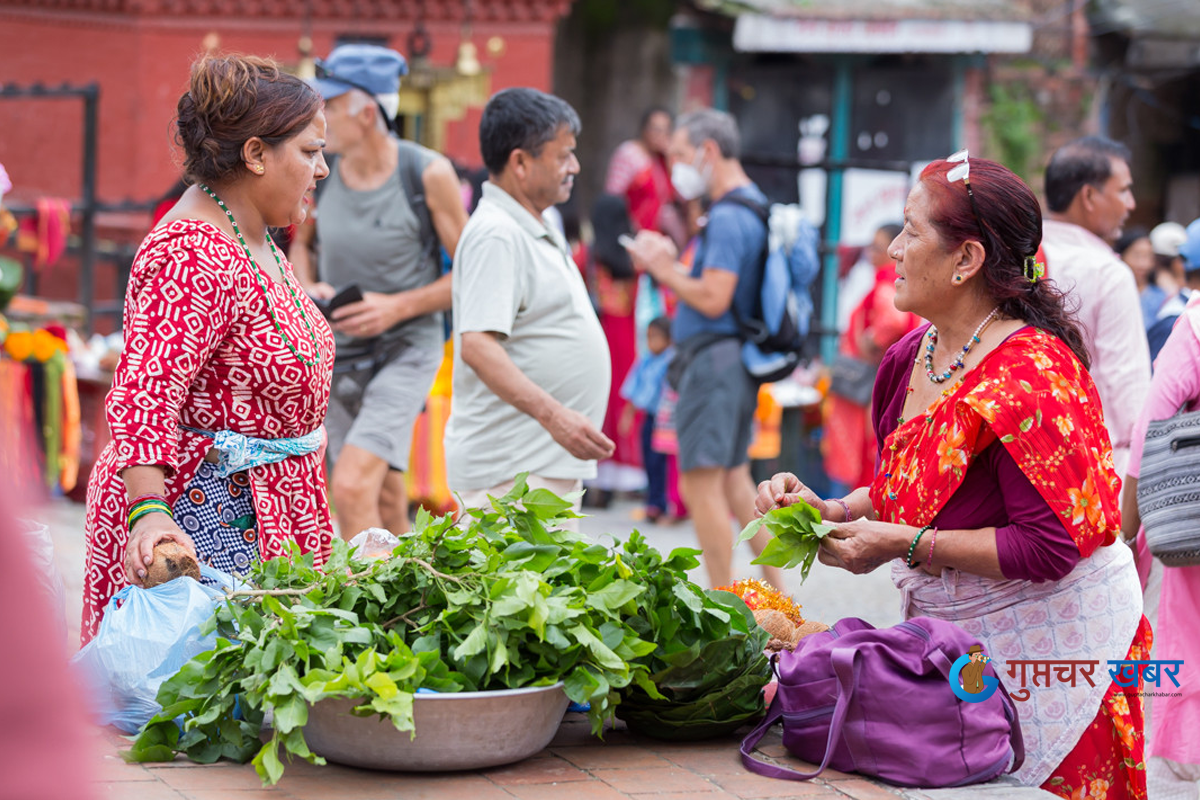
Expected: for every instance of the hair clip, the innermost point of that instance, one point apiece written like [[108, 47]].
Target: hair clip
[[1034, 270]]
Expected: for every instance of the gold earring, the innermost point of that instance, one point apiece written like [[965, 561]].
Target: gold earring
[[958, 278], [258, 169]]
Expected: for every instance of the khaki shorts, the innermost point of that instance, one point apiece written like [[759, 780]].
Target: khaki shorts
[[478, 498], [375, 408]]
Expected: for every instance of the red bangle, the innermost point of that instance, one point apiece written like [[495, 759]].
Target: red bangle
[[932, 542], [147, 496]]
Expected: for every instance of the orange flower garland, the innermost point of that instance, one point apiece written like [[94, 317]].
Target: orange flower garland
[[759, 595], [19, 345]]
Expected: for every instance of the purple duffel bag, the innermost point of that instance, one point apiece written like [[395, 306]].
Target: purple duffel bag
[[878, 702]]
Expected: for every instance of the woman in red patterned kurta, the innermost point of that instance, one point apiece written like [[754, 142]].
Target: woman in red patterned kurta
[[218, 336]]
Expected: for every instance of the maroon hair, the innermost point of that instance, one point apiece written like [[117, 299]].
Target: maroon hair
[[1010, 229]]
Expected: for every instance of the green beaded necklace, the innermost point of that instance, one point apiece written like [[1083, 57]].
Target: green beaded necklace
[[262, 279]]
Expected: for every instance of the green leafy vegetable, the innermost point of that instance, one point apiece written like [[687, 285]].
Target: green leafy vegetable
[[505, 600], [796, 532], [708, 669]]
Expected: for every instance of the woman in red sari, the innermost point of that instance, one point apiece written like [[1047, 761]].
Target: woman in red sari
[[217, 404], [875, 325], [995, 501], [638, 193]]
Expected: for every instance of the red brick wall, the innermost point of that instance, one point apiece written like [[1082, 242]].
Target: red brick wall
[[141, 66]]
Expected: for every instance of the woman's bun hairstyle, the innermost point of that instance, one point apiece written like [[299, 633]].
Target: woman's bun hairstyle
[[231, 99]]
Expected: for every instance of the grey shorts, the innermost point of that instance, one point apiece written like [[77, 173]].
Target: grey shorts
[[715, 413], [375, 408]]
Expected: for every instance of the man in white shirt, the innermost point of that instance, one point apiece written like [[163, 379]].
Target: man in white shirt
[[1089, 196], [531, 364]]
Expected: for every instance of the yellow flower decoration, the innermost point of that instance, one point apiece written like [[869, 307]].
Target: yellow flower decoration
[[1065, 425], [1098, 789], [760, 595]]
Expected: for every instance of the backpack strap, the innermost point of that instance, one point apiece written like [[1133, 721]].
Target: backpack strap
[[412, 178], [747, 331]]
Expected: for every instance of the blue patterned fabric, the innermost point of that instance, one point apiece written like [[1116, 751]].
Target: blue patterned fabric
[[218, 513], [238, 452]]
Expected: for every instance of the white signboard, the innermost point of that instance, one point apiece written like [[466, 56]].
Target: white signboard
[[760, 33]]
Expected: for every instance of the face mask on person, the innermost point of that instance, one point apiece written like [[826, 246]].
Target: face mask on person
[[691, 182]]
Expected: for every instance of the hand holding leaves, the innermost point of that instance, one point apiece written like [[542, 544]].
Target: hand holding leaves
[[796, 532]]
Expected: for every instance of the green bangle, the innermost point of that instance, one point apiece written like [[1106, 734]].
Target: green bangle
[[148, 508], [145, 504], [913, 547]]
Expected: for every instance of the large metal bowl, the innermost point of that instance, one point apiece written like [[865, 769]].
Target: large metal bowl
[[454, 731]]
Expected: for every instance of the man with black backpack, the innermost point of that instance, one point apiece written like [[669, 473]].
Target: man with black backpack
[[381, 215], [717, 396]]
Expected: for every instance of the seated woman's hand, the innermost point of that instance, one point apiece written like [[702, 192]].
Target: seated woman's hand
[[784, 489], [148, 532], [863, 545]]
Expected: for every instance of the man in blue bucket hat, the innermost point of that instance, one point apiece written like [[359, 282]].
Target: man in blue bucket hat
[[383, 215], [369, 68]]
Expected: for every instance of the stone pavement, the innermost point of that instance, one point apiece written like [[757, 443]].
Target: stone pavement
[[576, 765]]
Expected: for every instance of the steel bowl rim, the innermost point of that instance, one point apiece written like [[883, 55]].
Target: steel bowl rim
[[487, 693]]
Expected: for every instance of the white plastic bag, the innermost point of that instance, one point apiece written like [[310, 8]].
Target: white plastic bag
[[146, 636], [374, 543]]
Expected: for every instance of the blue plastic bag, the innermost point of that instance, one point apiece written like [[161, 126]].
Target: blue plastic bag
[[146, 636]]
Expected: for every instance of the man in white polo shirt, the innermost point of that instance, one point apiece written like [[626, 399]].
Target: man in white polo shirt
[[531, 365]]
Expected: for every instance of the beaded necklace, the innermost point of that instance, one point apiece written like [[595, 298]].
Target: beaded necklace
[[262, 279], [958, 361]]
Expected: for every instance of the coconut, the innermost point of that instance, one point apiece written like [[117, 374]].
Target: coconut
[[171, 561], [775, 623]]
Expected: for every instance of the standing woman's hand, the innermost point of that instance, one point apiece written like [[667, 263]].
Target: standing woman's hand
[[148, 532], [784, 489]]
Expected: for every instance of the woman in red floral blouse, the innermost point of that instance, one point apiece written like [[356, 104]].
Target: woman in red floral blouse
[[218, 402], [995, 498]]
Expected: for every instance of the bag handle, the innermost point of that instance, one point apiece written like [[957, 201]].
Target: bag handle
[[847, 666]]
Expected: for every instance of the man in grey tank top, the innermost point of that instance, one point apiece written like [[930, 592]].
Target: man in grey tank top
[[389, 344]]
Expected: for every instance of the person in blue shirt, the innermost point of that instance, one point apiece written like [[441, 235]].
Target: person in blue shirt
[[717, 397], [642, 391]]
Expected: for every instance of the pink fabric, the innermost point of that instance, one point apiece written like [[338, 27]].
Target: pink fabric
[[1096, 279], [1176, 720], [45, 746]]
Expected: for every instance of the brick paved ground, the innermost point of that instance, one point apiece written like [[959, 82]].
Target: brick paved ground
[[576, 766]]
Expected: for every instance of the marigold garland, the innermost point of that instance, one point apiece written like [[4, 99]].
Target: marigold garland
[[760, 595]]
